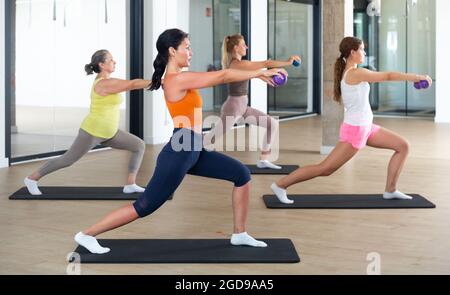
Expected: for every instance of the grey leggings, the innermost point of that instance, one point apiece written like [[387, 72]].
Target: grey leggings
[[236, 108], [85, 142]]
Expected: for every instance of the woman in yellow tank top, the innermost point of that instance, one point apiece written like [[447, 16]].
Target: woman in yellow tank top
[[184, 154], [101, 126]]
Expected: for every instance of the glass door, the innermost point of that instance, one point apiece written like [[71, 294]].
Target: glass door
[[291, 31], [401, 39], [421, 49], [209, 22], [392, 57]]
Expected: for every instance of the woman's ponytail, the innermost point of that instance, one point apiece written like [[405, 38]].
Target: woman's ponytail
[[159, 65], [226, 56], [339, 68]]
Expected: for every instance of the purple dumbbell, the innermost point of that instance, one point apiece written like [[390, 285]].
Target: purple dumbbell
[[279, 81], [422, 84]]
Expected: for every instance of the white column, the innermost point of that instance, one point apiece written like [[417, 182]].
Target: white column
[[348, 21], [159, 15], [442, 62], [183, 15], [258, 51], [3, 159]]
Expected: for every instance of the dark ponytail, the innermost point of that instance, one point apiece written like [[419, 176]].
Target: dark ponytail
[[97, 58], [347, 45], [169, 38], [89, 69], [159, 64]]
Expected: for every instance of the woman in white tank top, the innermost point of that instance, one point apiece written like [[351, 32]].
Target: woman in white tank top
[[351, 87]]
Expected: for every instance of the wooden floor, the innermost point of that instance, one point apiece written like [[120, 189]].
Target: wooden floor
[[36, 236]]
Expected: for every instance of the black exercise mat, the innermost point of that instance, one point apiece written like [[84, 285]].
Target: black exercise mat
[[190, 251], [75, 193], [350, 201], [286, 169]]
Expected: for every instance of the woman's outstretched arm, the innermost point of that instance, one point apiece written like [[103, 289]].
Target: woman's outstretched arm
[[112, 85], [196, 80]]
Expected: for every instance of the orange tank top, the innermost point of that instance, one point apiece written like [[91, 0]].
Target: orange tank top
[[187, 112]]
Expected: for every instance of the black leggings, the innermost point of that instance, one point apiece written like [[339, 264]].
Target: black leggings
[[173, 164]]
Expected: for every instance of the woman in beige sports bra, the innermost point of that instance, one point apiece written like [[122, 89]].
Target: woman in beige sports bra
[[236, 106]]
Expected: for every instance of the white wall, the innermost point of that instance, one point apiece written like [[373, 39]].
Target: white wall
[[259, 51], [348, 22], [159, 16], [183, 9], [62, 47], [3, 160], [442, 61]]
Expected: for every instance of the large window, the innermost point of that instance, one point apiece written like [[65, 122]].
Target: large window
[[293, 28], [401, 39], [292, 31], [51, 41]]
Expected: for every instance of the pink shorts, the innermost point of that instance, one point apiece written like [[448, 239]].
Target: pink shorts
[[357, 136]]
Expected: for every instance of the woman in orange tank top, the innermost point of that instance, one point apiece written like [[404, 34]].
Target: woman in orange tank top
[[184, 154]]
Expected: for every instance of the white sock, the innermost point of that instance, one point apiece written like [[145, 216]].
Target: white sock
[[133, 188], [267, 164], [396, 195], [32, 186], [90, 243], [246, 240], [281, 194]]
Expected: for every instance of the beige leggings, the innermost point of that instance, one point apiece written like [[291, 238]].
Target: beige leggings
[[85, 142], [236, 108]]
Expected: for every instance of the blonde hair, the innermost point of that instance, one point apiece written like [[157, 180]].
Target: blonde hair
[[227, 49]]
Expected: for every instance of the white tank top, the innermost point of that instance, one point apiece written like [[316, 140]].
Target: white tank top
[[356, 103]]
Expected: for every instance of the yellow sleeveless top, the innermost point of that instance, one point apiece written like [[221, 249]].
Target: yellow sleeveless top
[[103, 118]]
